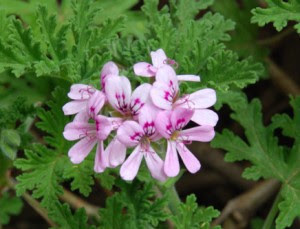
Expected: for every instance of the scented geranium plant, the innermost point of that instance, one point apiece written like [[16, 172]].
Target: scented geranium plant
[[121, 114]]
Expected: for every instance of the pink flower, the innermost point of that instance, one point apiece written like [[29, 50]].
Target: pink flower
[[140, 135], [120, 98], [89, 134], [159, 60], [108, 70], [165, 95], [170, 124], [85, 99]]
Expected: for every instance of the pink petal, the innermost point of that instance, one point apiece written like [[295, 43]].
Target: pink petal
[[144, 69], [116, 152], [115, 122], [82, 116], [101, 159], [109, 69], [74, 107], [81, 149], [163, 124], [158, 58], [180, 117], [80, 91], [205, 117], [139, 97], [167, 75], [190, 161], [156, 165], [95, 103], [171, 165], [161, 96], [118, 92], [192, 78], [203, 98], [103, 127], [130, 133], [199, 133], [131, 166], [77, 130]]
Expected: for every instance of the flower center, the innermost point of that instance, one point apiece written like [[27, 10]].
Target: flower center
[[145, 143], [175, 135]]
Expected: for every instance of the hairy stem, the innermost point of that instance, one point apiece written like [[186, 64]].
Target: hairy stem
[[272, 213], [174, 200]]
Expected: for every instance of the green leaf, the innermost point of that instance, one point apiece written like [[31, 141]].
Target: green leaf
[[279, 13], [191, 216], [269, 159], [9, 206], [9, 142], [63, 216]]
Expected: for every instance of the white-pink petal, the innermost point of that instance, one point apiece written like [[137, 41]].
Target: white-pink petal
[[180, 117], [95, 103], [171, 165], [163, 124], [130, 133], [139, 97], [77, 130], [144, 69], [161, 96], [155, 165], [74, 107], [103, 127], [101, 159], [158, 58], [205, 117], [131, 166], [199, 133], [116, 152], [167, 75], [190, 161], [81, 149], [80, 91], [110, 68], [191, 78]]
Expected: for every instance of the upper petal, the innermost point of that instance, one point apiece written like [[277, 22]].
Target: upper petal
[[167, 75], [82, 116], [163, 124], [192, 78], [74, 107], [81, 149], [118, 92], [103, 127], [80, 91], [144, 69], [203, 98], [155, 164], [171, 165], [110, 68], [190, 161], [158, 58], [205, 117], [199, 133], [95, 103], [180, 117], [131, 166], [161, 96], [130, 133], [77, 130], [139, 97], [147, 118]]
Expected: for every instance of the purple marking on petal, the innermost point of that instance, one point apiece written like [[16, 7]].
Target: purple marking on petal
[[149, 128], [136, 137]]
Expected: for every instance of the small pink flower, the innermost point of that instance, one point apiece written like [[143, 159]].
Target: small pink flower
[[170, 124], [108, 70], [85, 99], [89, 134], [165, 95], [120, 98], [159, 60], [140, 135]]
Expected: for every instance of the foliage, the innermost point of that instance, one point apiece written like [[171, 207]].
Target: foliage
[[192, 216], [9, 206], [279, 13], [269, 159]]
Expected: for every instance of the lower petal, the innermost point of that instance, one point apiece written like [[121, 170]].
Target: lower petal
[[190, 161], [192, 78], [74, 107], [171, 165], [142, 69], [81, 149], [156, 165], [199, 133], [116, 152], [101, 159], [131, 166]]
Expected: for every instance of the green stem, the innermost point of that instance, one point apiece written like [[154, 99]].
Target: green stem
[[272, 213], [174, 200]]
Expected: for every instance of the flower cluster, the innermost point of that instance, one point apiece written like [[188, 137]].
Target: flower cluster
[[136, 119]]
